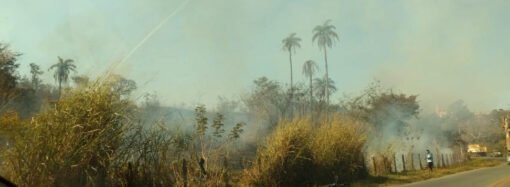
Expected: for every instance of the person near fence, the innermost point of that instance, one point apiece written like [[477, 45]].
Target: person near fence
[[430, 161]]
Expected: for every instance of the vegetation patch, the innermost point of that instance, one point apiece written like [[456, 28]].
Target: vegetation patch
[[298, 154]]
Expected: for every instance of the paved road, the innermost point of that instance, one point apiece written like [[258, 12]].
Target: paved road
[[498, 176]]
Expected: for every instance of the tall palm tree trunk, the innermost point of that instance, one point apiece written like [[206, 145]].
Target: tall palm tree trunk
[[291, 97], [327, 81], [311, 95], [291, 76], [311, 100], [59, 89]]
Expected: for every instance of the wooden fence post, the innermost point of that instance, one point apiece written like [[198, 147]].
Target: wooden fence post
[[412, 161], [419, 159], [447, 163], [442, 160], [451, 159], [395, 162], [403, 163], [439, 161]]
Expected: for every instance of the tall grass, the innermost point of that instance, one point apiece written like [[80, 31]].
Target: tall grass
[[92, 137], [296, 154], [88, 139], [337, 150]]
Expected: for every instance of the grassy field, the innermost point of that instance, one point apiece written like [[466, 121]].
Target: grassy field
[[414, 176]]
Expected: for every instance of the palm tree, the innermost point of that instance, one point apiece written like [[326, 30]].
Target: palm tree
[[35, 70], [62, 70], [289, 44], [325, 36], [309, 69], [324, 87]]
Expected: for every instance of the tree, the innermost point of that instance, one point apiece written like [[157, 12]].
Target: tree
[[325, 36], [390, 109], [458, 115], [309, 69], [62, 70], [267, 103], [122, 85], [8, 75], [289, 44], [218, 124], [81, 81], [324, 87], [389, 113], [35, 70]]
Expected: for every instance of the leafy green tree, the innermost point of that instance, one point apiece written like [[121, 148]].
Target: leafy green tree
[[325, 36], [62, 70], [309, 69], [35, 70], [289, 44]]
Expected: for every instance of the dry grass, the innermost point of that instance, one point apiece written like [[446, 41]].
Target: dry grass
[[85, 140], [80, 142], [284, 159], [93, 138], [296, 154], [336, 149]]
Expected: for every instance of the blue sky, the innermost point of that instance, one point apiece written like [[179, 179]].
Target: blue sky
[[440, 50]]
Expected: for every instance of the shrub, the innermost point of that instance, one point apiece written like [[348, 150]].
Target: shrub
[[92, 138], [337, 150], [88, 139], [297, 155], [285, 159]]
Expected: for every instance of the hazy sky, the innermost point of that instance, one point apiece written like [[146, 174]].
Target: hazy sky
[[441, 50]]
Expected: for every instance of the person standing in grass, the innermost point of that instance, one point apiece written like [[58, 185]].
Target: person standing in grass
[[430, 162]]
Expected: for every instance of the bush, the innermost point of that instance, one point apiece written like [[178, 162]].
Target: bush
[[298, 155], [92, 137], [285, 160], [337, 150], [88, 139]]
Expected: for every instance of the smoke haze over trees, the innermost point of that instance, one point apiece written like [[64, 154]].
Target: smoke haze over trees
[[200, 93]]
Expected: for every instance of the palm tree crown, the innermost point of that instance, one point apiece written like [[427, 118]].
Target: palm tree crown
[[324, 87], [35, 70], [325, 35], [309, 68], [289, 44], [62, 70]]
